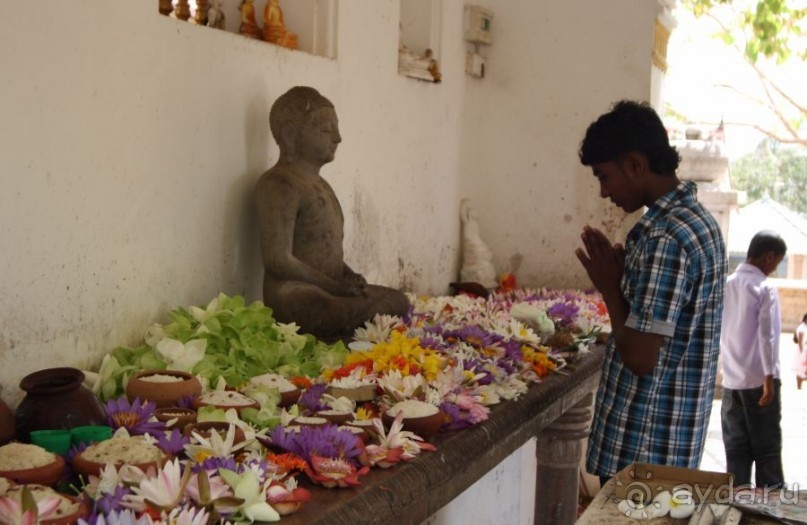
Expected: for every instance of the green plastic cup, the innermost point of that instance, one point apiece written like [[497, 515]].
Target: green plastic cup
[[56, 441], [90, 434]]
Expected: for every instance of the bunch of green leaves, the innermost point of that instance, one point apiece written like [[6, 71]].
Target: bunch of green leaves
[[241, 341]]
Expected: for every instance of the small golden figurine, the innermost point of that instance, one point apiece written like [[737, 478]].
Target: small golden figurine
[[274, 30]]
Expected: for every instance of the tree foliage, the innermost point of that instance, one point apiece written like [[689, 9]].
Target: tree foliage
[[766, 33], [778, 171]]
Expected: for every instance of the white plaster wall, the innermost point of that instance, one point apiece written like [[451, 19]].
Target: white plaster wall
[[506, 494], [131, 143], [552, 69]]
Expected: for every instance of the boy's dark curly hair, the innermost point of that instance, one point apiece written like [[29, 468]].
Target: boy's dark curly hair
[[630, 126]]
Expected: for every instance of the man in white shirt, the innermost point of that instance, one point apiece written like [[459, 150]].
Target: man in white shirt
[[749, 345]]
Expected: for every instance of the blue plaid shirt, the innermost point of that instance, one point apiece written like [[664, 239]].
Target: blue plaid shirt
[[675, 271]]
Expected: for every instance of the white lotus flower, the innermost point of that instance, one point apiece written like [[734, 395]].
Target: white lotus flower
[[179, 356], [162, 491]]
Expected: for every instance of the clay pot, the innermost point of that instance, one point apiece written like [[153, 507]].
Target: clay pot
[[56, 399], [425, 426], [8, 428], [337, 418], [87, 467], [224, 405], [309, 421], [49, 474], [205, 428], [359, 394], [289, 398], [183, 416], [73, 517], [163, 394]]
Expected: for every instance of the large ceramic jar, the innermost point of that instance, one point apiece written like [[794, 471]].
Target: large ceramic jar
[[7, 426], [56, 399]]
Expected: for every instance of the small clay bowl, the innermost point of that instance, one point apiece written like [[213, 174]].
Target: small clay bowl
[[49, 474], [424, 426], [309, 421], [86, 467], [359, 394], [163, 394], [183, 416], [337, 418], [289, 398], [71, 518], [205, 428], [225, 405], [356, 431]]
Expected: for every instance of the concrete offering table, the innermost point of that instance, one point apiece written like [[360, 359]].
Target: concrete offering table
[[557, 411]]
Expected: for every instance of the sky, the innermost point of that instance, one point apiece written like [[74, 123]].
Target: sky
[[698, 63]]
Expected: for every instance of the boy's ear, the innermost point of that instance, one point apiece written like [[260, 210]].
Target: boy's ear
[[636, 163]]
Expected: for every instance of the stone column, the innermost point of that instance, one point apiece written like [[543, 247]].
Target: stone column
[[559, 450]]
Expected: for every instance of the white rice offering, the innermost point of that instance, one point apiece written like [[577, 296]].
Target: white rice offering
[[162, 378], [40, 493], [363, 423], [274, 381], [21, 456], [132, 450], [354, 430], [304, 420], [225, 398], [413, 408]]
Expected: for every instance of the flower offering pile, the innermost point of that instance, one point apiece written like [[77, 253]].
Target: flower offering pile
[[281, 412]]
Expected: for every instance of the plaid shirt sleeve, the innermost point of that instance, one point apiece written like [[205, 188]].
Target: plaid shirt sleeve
[[661, 288]]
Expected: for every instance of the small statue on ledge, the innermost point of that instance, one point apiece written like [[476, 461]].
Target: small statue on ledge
[[249, 26], [274, 30], [215, 15], [306, 280]]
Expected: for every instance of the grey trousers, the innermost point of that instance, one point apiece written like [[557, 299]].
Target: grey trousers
[[752, 435]]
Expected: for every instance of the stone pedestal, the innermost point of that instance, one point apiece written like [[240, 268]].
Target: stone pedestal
[[559, 451]]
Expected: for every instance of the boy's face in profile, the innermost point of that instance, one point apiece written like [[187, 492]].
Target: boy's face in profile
[[771, 262]]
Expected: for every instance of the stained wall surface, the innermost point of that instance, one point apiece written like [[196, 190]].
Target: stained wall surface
[[132, 141]]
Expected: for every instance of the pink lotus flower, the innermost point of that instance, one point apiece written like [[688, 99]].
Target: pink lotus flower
[[334, 472], [13, 513], [286, 498]]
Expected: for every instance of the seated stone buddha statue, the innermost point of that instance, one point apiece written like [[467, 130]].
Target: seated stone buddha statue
[[306, 280]]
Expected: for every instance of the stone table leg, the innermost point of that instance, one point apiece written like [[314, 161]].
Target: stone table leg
[[559, 450]]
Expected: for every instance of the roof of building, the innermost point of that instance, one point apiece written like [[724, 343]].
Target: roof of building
[[767, 214]]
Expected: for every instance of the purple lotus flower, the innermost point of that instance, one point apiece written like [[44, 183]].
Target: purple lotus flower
[[214, 463], [172, 443], [326, 441], [311, 398], [111, 501], [565, 313], [458, 419], [133, 416]]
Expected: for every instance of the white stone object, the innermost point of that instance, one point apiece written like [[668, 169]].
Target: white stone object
[[477, 259]]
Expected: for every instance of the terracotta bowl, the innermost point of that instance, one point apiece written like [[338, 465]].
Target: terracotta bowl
[[87, 467], [71, 518], [161, 393], [359, 394], [205, 428], [356, 431], [183, 416], [48, 474], [425, 426], [309, 421], [200, 402], [289, 398], [337, 418]]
